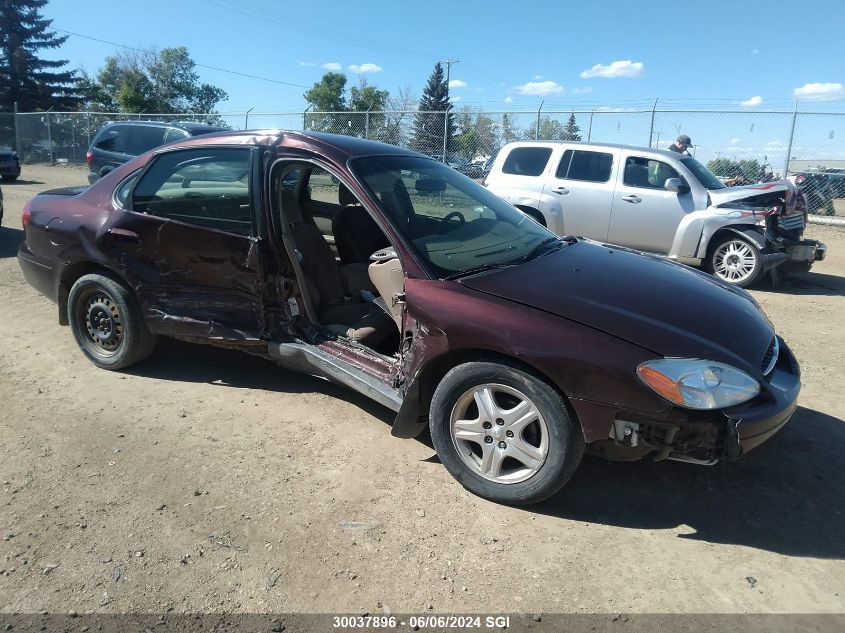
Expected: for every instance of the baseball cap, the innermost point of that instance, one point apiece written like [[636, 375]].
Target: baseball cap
[[683, 138]]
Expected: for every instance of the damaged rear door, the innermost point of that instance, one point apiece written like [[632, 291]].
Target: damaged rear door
[[187, 243]]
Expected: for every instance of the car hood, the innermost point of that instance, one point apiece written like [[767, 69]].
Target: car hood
[[652, 302], [719, 197]]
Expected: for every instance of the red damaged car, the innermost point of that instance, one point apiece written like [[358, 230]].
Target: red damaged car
[[390, 273]]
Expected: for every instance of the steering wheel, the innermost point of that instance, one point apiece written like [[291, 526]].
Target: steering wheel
[[448, 223]]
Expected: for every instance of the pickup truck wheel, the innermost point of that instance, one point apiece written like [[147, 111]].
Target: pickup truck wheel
[[503, 433], [107, 322], [735, 260]]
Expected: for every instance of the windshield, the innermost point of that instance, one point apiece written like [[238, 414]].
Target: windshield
[[453, 223], [704, 175]]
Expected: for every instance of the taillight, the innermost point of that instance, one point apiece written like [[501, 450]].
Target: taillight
[[89, 157], [26, 213], [800, 179]]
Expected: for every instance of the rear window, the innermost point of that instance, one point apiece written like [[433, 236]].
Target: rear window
[[527, 161], [582, 165], [113, 139]]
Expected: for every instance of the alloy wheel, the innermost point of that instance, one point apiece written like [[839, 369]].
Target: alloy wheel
[[499, 433], [735, 261]]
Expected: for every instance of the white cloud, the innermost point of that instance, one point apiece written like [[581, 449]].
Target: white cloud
[[774, 145], [620, 68], [614, 109], [540, 88], [508, 99], [331, 66], [456, 98], [820, 92], [365, 68], [736, 141], [536, 77], [307, 63], [753, 101], [583, 90], [755, 51], [457, 83]]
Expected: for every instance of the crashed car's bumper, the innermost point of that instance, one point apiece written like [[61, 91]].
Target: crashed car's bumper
[[752, 424]]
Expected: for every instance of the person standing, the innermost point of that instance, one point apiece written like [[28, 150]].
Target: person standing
[[681, 145]]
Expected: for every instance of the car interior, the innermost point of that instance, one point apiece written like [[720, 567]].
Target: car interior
[[348, 271]]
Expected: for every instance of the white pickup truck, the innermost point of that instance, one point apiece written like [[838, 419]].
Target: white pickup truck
[[660, 202]]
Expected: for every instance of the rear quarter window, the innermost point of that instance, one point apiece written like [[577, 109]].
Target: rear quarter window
[[527, 161], [112, 139], [585, 166]]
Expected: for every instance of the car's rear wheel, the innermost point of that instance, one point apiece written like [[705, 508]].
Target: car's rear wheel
[[735, 260], [10, 178], [107, 322], [504, 433]]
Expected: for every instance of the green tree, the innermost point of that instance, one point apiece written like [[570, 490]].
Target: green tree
[[509, 131], [327, 95], [429, 129], [364, 99], [550, 130], [25, 78], [571, 130], [152, 81]]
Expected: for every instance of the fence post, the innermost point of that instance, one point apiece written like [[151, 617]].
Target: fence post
[[304, 125], [246, 117], [791, 136], [367, 125], [651, 129], [537, 128], [590, 129], [18, 147], [49, 137], [445, 132]]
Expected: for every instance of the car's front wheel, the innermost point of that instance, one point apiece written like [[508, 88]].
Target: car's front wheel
[[735, 260], [107, 322], [504, 433]]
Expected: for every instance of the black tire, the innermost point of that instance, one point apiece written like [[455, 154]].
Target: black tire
[[107, 323], [719, 263], [564, 440], [9, 178]]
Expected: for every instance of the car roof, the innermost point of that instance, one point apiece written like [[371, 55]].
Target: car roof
[[351, 146], [188, 126], [638, 148]]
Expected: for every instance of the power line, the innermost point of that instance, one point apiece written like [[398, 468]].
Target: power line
[[140, 50]]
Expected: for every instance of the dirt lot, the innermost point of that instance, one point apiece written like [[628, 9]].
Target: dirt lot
[[207, 480]]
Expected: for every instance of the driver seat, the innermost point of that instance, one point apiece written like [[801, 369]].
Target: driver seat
[[356, 234], [363, 322]]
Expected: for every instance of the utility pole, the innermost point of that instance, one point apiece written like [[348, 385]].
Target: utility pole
[[448, 63]]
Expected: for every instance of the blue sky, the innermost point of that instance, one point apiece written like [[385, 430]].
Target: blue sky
[[512, 54]]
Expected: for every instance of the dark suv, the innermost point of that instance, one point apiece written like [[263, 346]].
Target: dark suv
[[117, 143]]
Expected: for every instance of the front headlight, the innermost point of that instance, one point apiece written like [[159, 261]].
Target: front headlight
[[698, 384]]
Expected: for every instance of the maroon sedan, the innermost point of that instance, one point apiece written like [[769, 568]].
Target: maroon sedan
[[394, 275]]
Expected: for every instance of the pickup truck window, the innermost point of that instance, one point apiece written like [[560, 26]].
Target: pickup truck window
[[527, 161], [205, 187], [587, 166], [647, 173]]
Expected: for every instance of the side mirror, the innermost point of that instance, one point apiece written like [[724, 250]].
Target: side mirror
[[677, 185]]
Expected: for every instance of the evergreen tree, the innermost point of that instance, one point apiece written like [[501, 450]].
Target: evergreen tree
[[571, 130], [31, 82], [429, 128]]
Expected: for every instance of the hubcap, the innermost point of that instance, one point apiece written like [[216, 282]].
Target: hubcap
[[734, 261], [499, 433], [103, 322]]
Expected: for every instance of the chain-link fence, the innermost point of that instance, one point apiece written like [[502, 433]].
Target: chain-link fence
[[741, 147]]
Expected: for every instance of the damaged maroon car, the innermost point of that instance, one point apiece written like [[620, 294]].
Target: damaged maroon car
[[390, 273]]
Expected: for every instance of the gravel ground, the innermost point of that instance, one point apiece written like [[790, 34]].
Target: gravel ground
[[208, 480]]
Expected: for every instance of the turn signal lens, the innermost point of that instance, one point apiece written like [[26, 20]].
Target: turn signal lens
[[698, 384]]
